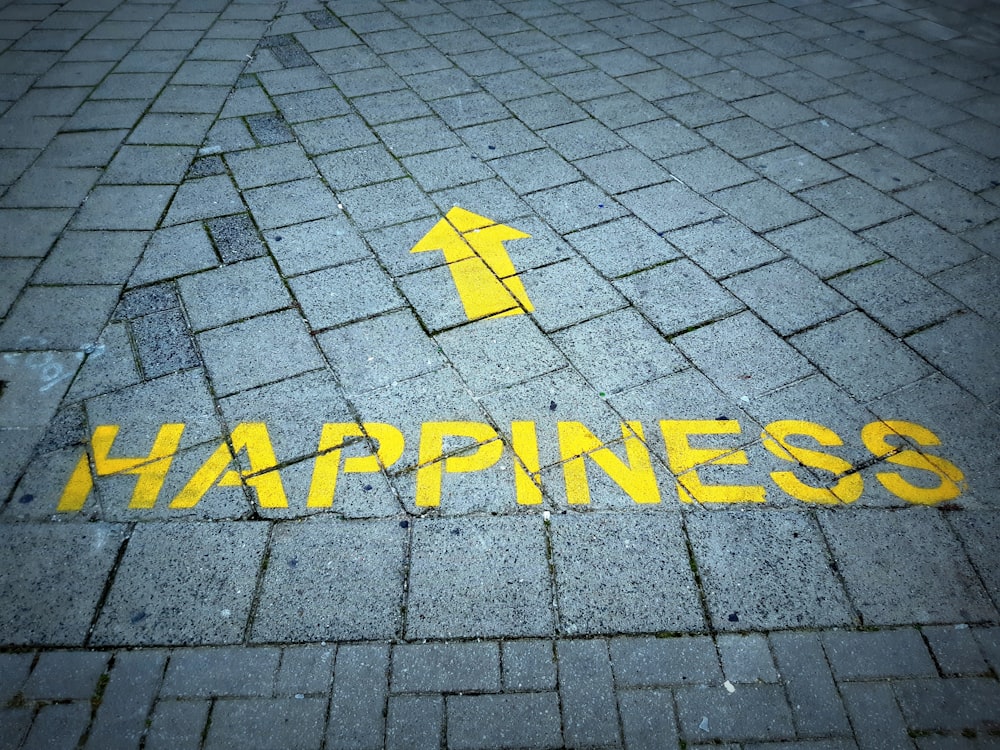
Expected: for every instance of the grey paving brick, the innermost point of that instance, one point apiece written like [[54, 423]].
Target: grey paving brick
[[816, 705], [120, 207], [535, 170], [212, 672], [707, 170], [920, 244], [414, 721], [57, 317], [92, 258], [743, 137], [619, 171], [655, 601], [586, 691], [618, 111], [966, 168], [989, 643], [44, 606], [358, 167], [204, 198], [723, 246], [885, 365], [67, 675], [477, 107], [315, 244], [305, 670], [233, 292], [977, 532], [875, 715], [446, 667], [529, 720], [885, 544], [269, 165], [895, 296], [528, 665], [369, 596], [948, 205], [852, 203], [622, 246], [344, 294], [794, 168], [962, 347], [14, 725], [746, 658], [270, 129], [127, 699], [762, 206], [358, 702], [661, 138], [477, 596], [290, 203], [574, 206], [742, 356], [58, 725], [753, 712], [154, 602], [955, 704], [267, 722], [669, 206], [883, 169], [235, 238], [47, 187], [493, 199], [16, 667], [496, 139], [386, 203], [560, 308], [311, 105], [657, 662], [588, 138], [697, 109], [647, 718], [955, 650], [787, 296], [446, 168]]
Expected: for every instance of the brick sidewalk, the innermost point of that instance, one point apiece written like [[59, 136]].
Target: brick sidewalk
[[499, 373]]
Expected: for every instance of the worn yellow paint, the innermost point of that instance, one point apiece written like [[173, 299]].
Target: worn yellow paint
[[485, 277], [433, 467], [847, 489], [951, 480], [684, 460], [637, 478], [323, 486]]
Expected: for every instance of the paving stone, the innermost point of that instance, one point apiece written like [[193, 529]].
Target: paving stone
[[446, 168], [290, 203], [963, 167], [661, 138], [815, 702], [976, 530], [58, 725], [707, 170], [883, 169], [453, 667], [344, 294], [258, 351], [127, 699], [92, 258], [269, 165], [477, 595], [574, 206], [120, 208], [762, 206], [746, 658], [315, 244], [895, 296], [16, 667], [47, 187], [305, 670], [45, 606], [753, 712], [153, 602], [647, 718], [655, 601], [669, 206], [357, 705], [236, 238], [622, 246], [297, 563], [414, 721], [920, 244], [528, 665], [905, 137], [233, 292], [557, 308], [723, 246], [657, 662], [234, 672], [204, 198], [535, 170], [529, 720], [586, 691], [57, 317], [14, 725], [962, 703], [619, 171], [919, 543], [386, 203], [875, 715], [70, 675], [948, 205], [267, 722], [962, 347], [955, 650], [852, 203]]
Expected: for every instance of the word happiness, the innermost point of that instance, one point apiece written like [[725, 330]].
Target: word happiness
[[926, 478]]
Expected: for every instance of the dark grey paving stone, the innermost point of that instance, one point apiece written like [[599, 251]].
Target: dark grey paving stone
[[440, 667], [643, 662], [660, 597], [965, 348], [305, 670], [528, 665], [746, 658], [159, 597], [58, 725], [955, 650], [358, 703], [902, 568], [414, 721], [529, 720], [815, 701], [71, 675], [44, 605], [964, 703], [267, 722], [127, 698], [586, 690], [235, 238], [477, 596], [163, 343], [861, 655], [875, 715], [753, 712], [786, 559], [362, 570]]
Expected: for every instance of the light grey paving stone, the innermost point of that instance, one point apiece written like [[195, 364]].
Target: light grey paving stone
[[386, 204], [160, 596], [170, 129], [267, 722], [677, 296], [305, 670], [127, 699], [535, 170], [905, 137], [742, 356], [895, 296], [920, 244], [233, 292], [459, 588], [874, 548], [269, 165], [477, 107], [358, 702], [647, 718], [966, 168], [794, 168], [258, 351], [65, 675], [955, 650], [658, 662], [446, 168], [577, 205], [972, 284], [43, 605], [559, 302], [290, 203], [762, 206], [708, 170], [959, 703], [57, 317], [58, 725], [43, 186], [654, 601], [204, 198], [499, 352], [446, 667], [356, 167], [699, 108], [723, 246], [787, 296], [977, 531], [92, 258], [149, 165], [174, 251], [824, 138], [494, 199], [964, 347], [853, 203], [803, 593], [528, 665], [234, 672], [743, 137], [586, 691], [315, 244], [860, 356], [414, 722], [753, 712], [618, 351], [948, 205], [622, 246], [379, 351], [875, 715], [883, 169], [588, 138], [669, 206], [816, 705], [422, 134], [528, 720], [344, 294], [868, 655], [322, 136], [617, 111], [362, 572], [746, 658]]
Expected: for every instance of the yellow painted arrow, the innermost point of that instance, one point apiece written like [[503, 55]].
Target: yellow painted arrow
[[484, 275]]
